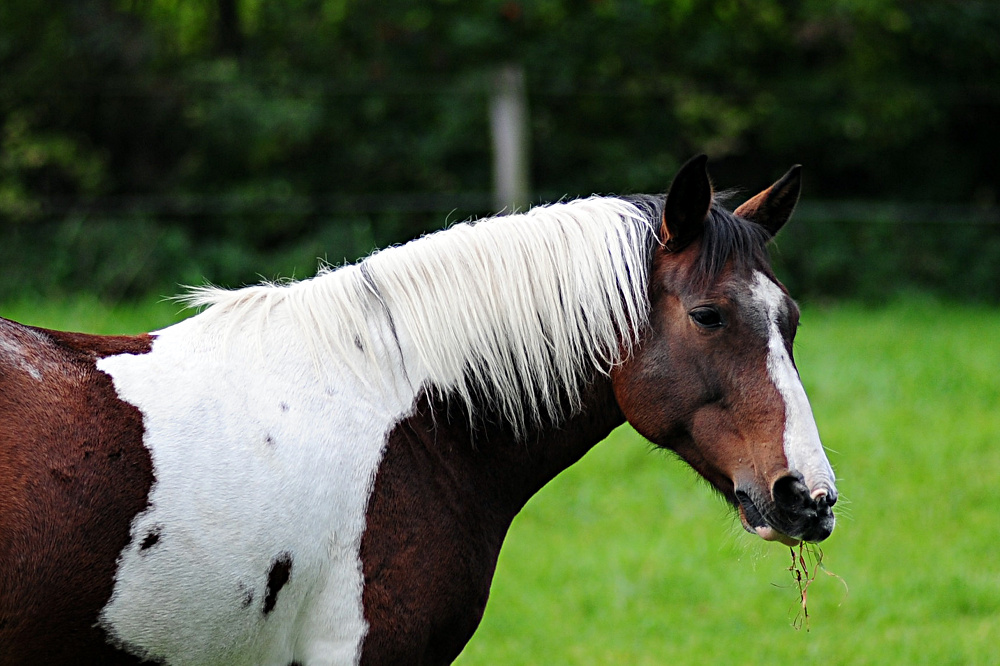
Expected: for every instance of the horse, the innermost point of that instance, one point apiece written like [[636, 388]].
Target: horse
[[323, 471]]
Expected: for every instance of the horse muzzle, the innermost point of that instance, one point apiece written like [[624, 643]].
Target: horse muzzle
[[790, 512]]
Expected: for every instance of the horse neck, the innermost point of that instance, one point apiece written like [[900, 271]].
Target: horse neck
[[444, 497], [491, 463]]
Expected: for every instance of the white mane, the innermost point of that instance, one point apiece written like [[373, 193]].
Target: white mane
[[520, 309]]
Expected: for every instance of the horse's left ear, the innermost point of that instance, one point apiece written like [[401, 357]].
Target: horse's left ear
[[772, 207], [688, 202]]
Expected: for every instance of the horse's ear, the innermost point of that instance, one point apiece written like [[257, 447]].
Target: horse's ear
[[772, 207], [687, 204]]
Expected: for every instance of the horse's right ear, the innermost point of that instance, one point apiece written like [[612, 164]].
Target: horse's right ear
[[772, 207], [688, 202]]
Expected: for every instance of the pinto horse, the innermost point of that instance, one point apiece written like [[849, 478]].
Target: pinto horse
[[323, 472]]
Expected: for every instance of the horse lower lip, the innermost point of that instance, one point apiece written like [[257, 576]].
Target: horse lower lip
[[770, 534]]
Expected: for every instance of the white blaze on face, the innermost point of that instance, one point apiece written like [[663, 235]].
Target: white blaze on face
[[803, 448]]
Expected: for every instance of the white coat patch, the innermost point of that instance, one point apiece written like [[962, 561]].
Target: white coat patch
[[254, 457], [802, 445]]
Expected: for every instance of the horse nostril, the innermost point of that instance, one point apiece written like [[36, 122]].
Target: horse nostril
[[825, 496], [790, 492]]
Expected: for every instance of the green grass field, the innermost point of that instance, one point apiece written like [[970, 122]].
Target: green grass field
[[627, 558]]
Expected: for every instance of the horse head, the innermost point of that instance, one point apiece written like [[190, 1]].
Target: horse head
[[712, 376]]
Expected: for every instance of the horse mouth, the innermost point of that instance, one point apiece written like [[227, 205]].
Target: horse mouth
[[755, 523]]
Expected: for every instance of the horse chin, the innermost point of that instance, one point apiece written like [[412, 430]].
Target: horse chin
[[766, 532], [770, 534]]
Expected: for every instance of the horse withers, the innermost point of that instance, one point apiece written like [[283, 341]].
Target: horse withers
[[323, 472]]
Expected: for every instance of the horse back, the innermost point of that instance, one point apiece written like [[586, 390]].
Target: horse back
[[73, 474]]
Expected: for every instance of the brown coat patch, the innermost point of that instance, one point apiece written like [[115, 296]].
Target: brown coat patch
[[73, 475], [443, 500]]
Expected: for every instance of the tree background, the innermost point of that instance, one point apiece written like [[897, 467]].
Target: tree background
[[147, 143]]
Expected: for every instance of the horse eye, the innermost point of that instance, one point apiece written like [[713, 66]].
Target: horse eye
[[707, 317]]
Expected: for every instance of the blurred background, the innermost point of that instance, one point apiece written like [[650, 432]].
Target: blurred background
[[150, 143], [146, 144]]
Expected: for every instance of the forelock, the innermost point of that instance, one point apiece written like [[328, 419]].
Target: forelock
[[729, 239]]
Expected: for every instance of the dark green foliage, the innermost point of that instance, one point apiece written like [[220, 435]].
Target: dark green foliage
[[145, 143], [880, 253]]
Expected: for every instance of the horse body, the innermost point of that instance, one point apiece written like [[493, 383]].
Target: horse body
[[324, 472]]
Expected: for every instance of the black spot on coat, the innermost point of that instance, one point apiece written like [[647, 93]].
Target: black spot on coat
[[277, 577], [151, 539]]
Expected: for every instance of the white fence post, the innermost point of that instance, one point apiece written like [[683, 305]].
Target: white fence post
[[509, 127]]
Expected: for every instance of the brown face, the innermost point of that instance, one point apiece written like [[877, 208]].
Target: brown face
[[712, 378]]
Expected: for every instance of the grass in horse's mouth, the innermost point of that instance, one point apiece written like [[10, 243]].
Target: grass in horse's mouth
[[803, 577]]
